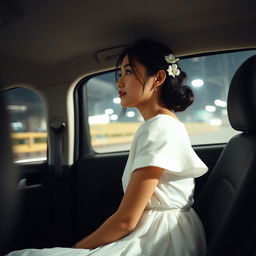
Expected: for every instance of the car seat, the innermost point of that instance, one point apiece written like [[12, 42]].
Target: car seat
[[226, 204]]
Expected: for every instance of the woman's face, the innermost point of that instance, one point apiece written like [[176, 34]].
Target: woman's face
[[130, 84]]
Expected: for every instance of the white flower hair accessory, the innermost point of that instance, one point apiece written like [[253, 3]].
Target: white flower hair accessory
[[173, 68], [171, 59]]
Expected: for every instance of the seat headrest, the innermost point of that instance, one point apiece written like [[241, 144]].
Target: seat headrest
[[241, 103]]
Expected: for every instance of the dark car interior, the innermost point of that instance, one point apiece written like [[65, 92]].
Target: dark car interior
[[50, 47], [224, 203]]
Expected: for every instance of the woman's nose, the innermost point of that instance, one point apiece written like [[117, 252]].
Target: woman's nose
[[119, 82]]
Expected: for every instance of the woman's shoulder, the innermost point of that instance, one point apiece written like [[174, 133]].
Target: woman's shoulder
[[161, 123], [162, 128]]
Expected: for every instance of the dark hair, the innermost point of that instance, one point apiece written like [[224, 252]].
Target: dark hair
[[151, 55]]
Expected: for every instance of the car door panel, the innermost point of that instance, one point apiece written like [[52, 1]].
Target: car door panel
[[98, 190], [98, 187], [32, 227]]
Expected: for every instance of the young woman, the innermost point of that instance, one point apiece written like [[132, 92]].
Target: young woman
[[155, 216]]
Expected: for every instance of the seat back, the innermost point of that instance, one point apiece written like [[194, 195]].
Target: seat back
[[226, 202], [8, 179]]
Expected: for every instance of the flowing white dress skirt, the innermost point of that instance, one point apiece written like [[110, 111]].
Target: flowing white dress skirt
[[160, 232]]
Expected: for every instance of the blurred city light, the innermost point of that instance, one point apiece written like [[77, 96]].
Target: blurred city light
[[117, 100], [220, 103], [109, 111], [197, 82], [130, 114], [99, 119], [210, 108], [17, 108]]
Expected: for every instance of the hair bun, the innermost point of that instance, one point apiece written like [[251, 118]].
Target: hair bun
[[181, 98]]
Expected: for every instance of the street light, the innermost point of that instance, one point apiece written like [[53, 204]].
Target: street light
[[210, 108], [130, 113], [220, 103], [197, 82], [98, 119], [109, 111], [117, 100]]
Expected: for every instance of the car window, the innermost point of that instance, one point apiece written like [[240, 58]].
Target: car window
[[28, 125], [206, 119]]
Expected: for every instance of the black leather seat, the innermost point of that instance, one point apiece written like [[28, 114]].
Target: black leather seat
[[8, 180], [226, 204]]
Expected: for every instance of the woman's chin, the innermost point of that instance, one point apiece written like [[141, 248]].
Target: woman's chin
[[126, 104]]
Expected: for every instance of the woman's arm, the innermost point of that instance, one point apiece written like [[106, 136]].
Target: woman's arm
[[124, 220]]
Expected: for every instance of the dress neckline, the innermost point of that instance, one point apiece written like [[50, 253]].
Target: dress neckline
[[163, 115]]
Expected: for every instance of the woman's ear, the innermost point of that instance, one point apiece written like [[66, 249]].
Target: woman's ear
[[159, 78]]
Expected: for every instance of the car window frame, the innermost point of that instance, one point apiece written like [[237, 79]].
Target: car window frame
[[82, 127]]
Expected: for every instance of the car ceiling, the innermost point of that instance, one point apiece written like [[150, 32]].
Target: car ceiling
[[44, 42]]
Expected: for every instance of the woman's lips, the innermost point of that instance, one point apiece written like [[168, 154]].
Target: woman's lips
[[121, 94]]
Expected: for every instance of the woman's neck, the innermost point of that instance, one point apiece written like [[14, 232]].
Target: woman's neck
[[149, 113]]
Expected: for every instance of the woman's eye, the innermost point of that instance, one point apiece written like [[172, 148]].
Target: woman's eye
[[124, 72], [128, 71]]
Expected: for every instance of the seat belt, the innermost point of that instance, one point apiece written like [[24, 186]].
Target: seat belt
[[57, 179], [57, 127]]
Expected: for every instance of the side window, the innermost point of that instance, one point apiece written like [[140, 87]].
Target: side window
[[28, 125], [206, 119]]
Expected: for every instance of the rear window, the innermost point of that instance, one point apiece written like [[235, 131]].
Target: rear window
[[28, 125], [206, 119]]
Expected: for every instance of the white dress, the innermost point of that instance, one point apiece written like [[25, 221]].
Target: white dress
[[168, 225]]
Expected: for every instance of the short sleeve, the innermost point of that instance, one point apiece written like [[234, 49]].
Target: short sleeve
[[168, 147]]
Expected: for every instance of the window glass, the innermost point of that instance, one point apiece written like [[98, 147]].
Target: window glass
[[206, 119], [28, 125]]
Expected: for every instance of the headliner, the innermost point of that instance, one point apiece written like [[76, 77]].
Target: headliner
[[63, 34]]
